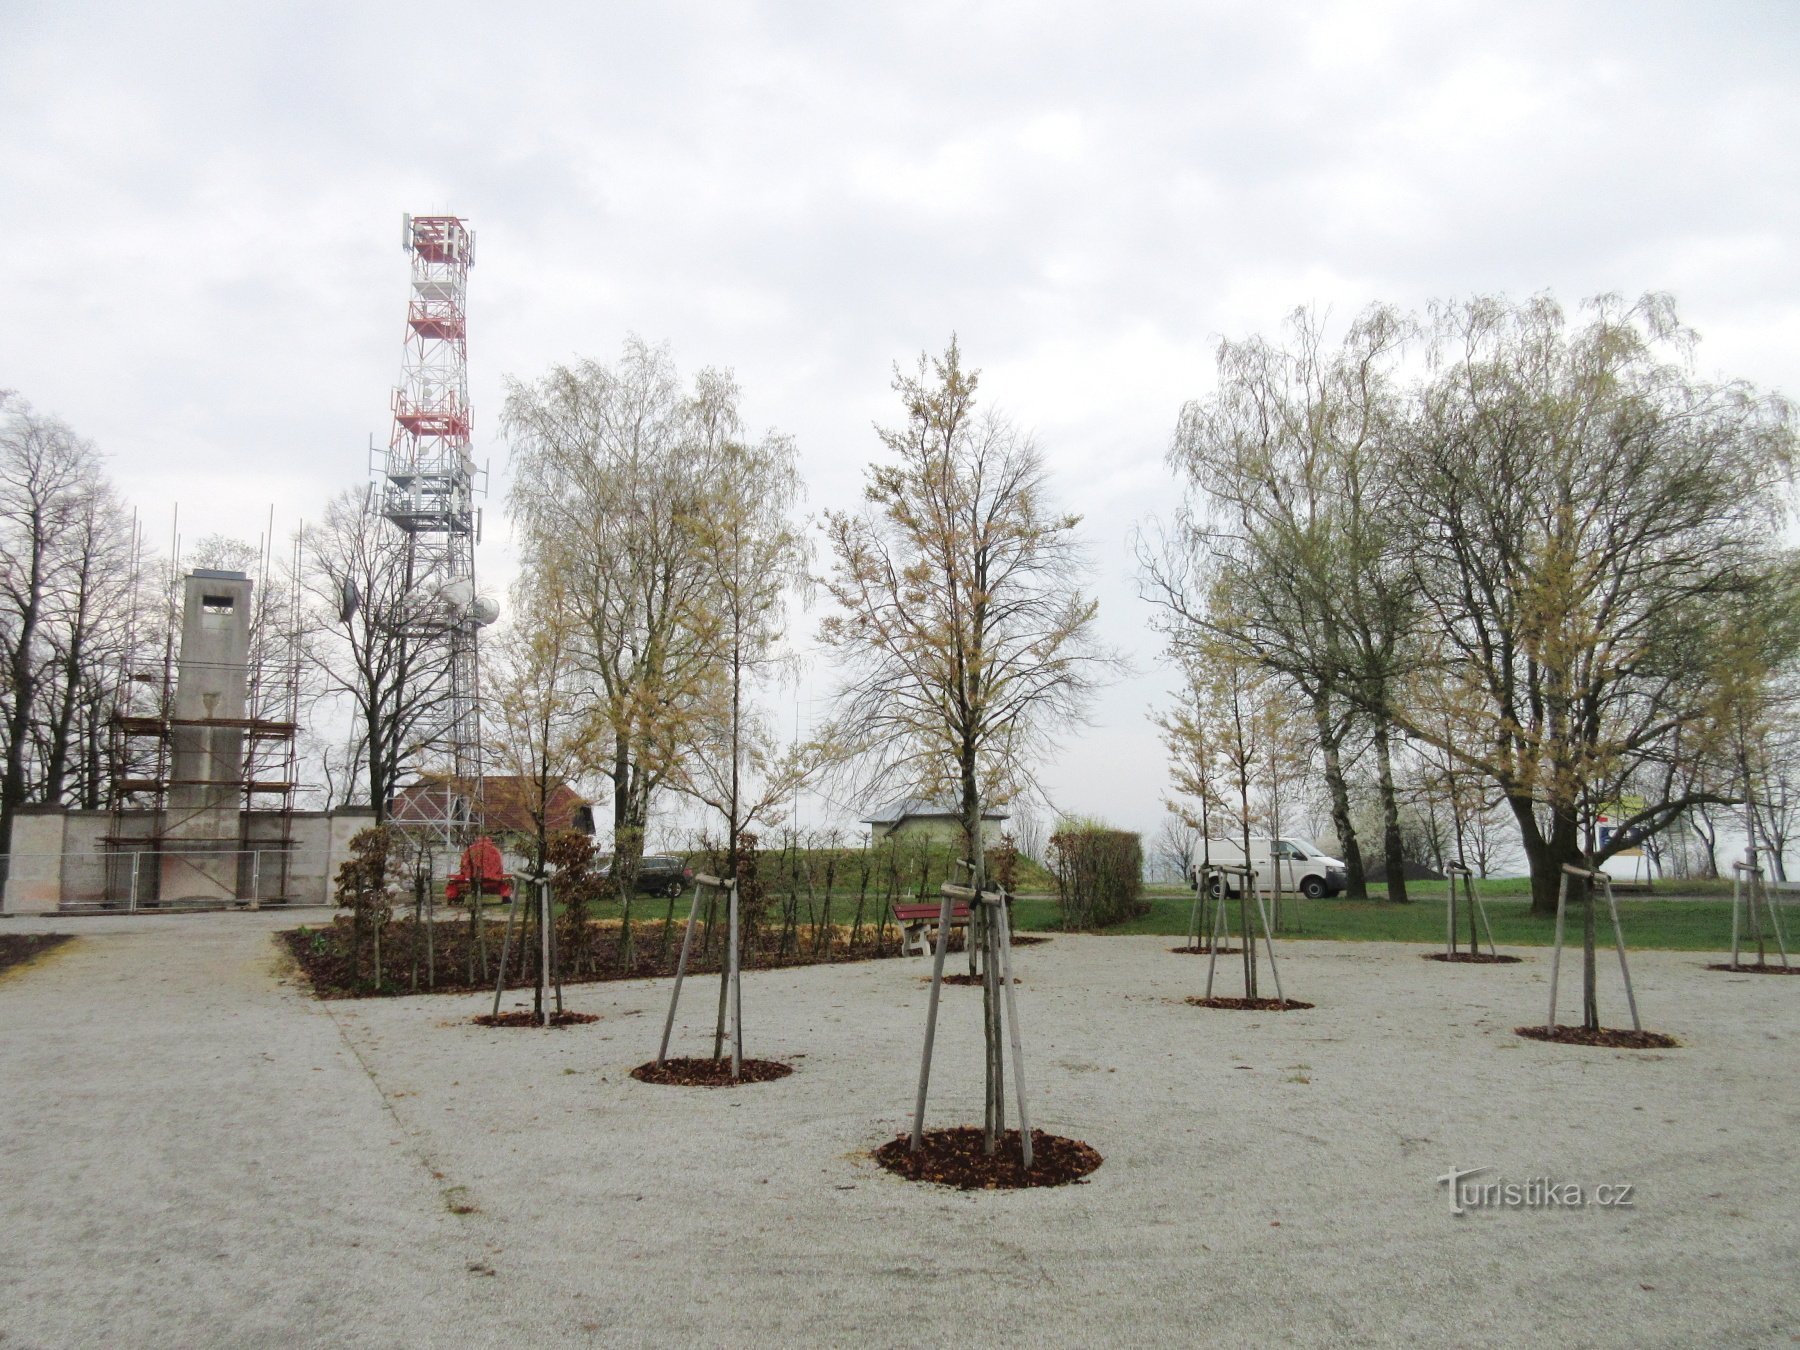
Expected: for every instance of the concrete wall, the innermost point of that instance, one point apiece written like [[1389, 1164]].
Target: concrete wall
[[62, 855], [34, 878]]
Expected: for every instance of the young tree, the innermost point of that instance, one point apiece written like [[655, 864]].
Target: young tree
[[756, 555], [963, 628], [538, 728]]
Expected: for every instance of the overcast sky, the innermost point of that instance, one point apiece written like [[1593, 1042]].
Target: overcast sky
[[200, 263]]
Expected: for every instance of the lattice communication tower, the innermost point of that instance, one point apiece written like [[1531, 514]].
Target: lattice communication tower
[[429, 495]]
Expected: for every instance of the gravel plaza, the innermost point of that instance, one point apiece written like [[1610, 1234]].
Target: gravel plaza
[[198, 1152]]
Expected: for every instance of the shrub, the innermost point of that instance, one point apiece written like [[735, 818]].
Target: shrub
[[1099, 874], [364, 887]]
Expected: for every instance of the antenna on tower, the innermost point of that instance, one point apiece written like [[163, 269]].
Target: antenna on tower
[[428, 493]]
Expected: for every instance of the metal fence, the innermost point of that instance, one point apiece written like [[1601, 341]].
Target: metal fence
[[128, 880]]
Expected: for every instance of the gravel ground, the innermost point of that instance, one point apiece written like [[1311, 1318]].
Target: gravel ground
[[195, 1153]]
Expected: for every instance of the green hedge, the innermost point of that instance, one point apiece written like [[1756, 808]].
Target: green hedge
[[1099, 875]]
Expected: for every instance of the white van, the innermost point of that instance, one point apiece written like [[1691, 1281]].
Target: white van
[[1303, 867]]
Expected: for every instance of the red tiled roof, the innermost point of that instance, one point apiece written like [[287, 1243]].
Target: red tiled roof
[[506, 804]]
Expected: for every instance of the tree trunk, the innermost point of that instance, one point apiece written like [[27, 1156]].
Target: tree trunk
[[1356, 881], [1545, 857], [1393, 850]]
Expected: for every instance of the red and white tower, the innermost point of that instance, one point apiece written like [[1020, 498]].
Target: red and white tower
[[429, 495]]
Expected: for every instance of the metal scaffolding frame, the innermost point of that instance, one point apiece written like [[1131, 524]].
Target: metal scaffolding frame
[[428, 493]]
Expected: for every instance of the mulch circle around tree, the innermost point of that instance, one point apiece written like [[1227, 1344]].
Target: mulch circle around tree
[[1251, 1004], [1204, 950], [1610, 1038], [710, 1073], [524, 1017], [966, 980], [1472, 958], [954, 1157], [1755, 970], [18, 948]]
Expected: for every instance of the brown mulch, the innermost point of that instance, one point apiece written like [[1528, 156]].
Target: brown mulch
[[1204, 950], [524, 1017], [1028, 939], [1250, 1004], [954, 1157], [324, 954], [1610, 1038], [1472, 958], [1755, 970], [18, 948], [965, 980], [710, 1073]]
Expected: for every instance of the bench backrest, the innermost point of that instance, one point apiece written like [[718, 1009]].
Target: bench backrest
[[915, 912]]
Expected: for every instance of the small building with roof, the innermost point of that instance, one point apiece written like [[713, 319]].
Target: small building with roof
[[920, 818]]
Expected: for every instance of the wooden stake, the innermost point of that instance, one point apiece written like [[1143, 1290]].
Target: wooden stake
[[543, 974], [1212, 957], [512, 913], [1737, 896], [737, 989], [1556, 948], [1269, 944], [1475, 899], [931, 1012], [1624, 966], [1450, 914], [1012, 1023], [687, 944]]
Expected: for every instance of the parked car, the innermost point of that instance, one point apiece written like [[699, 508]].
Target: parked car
[[1304, 867], [658, 874]]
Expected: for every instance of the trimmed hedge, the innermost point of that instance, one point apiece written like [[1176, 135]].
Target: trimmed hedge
[[1099, 875]]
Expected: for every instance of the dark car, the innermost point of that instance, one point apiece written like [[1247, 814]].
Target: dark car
[[658, 874]]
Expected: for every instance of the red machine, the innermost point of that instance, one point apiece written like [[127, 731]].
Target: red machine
[[483, 872]]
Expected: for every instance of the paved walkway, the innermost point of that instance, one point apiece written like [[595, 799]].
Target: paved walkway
[[197, 1154]]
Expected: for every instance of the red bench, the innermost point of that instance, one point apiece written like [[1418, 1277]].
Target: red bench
[[918, 919]]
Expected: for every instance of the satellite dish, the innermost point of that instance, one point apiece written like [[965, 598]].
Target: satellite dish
[[485, 610], [349, 600]]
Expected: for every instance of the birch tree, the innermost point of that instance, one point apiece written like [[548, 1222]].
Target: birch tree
[[1286, 545], [615, 471], [963, 630]]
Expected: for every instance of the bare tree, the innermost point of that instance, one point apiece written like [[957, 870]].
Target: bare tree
[[369, 652], [48, 479], [87, 607], [1176, 848], [963, 630]]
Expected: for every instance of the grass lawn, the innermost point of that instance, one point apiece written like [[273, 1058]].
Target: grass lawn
[[1699, 924], [1677, 925]]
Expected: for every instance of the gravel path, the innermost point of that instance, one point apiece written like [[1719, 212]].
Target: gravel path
[[197, 1154]]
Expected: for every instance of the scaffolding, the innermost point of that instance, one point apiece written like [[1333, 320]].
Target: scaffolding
[[204, 753]]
